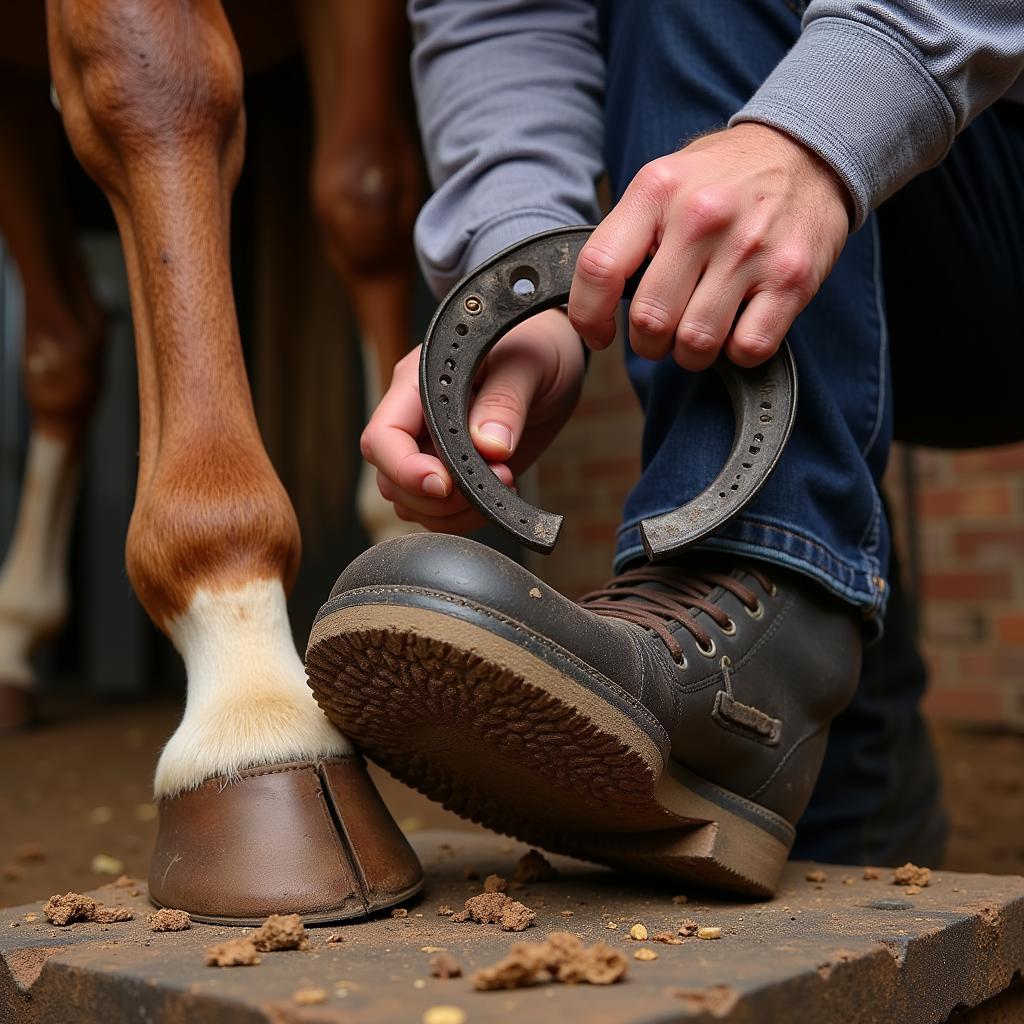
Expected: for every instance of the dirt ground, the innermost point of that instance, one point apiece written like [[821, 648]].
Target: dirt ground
[[75, 805]]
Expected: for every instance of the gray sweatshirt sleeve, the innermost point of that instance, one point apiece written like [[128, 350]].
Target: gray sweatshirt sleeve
[[509, 94], [880, 88]]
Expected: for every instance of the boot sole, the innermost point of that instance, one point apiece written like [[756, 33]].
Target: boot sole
[[505, 738]]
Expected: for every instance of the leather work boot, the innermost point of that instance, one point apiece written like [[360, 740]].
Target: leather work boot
[[671, 723]]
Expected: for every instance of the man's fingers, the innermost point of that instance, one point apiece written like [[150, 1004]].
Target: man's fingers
[[663, 294], [497, 416], [434, 507], [419, 501], [464, 522], [390, 443], [762, 326], [619, 244], [708, 319]]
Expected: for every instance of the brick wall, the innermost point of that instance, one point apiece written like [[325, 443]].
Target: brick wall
[[587, 474], [969, 528]]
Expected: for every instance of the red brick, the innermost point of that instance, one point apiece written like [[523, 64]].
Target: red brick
[[1010, 629], [999, 544], [553, 472], [622, 468], [930, 466], [935, 540], [948, 624], [998, 666], [602, 403], [599, 533], [965, 705], [1005, 459], [967, 586], [1015, 704], [974, 501]]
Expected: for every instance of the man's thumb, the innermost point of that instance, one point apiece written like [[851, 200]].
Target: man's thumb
[[498, 415]]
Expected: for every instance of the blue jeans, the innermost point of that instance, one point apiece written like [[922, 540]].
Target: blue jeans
[[916, 333], [678, 68]]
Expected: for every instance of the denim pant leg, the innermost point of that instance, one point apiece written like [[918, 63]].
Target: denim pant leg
[[878, 799], [953, 262], [677, 68], [953, 257]]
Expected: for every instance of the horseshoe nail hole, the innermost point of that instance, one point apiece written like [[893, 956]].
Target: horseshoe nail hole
[[765, 418], [748, 465], [469, 469], [449, 364], [759, 438], [501, 504], [453, 430], [445, 379], [522, 522], [465, 458], [479, 487], [766, 405], [524, 281], [462, 330], [721, 494], [443, 399], [754, 449], [735, 487], [455, 346]]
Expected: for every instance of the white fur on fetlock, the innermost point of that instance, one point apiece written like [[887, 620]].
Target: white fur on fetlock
[[33, 584], [248, 702], [15, 645]]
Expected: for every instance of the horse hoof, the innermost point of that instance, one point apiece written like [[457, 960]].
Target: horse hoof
[[309, 838]]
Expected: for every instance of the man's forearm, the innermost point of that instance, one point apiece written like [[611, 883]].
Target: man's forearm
[[509, 95], [880, 88]]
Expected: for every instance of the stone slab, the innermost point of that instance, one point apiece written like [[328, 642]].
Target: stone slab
[[835, 951]]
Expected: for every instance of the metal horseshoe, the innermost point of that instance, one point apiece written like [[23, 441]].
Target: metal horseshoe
[[522, 281]]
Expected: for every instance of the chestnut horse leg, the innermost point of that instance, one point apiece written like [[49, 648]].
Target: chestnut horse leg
[[264, 807], [151, 95], [367, 186], [63, 334]]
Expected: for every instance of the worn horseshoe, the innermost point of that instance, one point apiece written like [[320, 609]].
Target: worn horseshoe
[[526, 279]]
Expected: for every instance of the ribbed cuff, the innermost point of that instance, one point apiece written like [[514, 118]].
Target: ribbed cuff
[[862, 102], [508, 229], [490, 238]]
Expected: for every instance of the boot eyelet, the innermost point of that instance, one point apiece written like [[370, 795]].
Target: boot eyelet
[[773, 590], [680, 663], [710, 650], [757, 611], [729, 629]]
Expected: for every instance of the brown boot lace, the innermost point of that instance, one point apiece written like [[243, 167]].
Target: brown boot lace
[[683, 592]]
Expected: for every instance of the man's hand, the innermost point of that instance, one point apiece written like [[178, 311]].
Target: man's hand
[[530, 384], [746, 221]]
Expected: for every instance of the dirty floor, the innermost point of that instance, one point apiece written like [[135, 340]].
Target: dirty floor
[[75, 799], [76, 812], [839, 944]]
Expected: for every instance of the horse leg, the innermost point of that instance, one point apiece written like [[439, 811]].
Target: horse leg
[[151, 95], [367, 186], [62, 353]]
